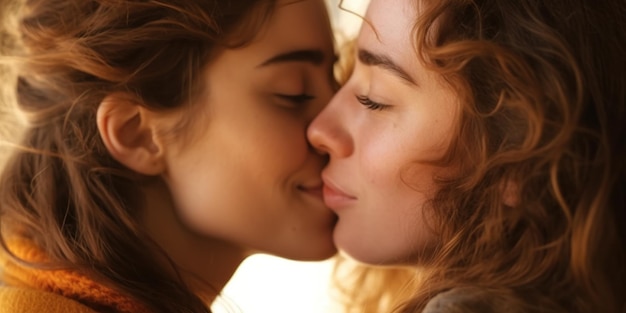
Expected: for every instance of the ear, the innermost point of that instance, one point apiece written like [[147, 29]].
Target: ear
[[129, 133]]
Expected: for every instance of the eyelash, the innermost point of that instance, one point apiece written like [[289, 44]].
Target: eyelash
[[370, 104], [297, 99]]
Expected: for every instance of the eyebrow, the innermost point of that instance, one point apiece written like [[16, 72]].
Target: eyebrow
[[383, 61], [315, 57]]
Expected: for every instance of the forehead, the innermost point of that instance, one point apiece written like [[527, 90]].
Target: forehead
[[297, 23], [387, 29], [293, 25], [391, 20]]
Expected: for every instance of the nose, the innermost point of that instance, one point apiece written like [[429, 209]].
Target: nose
[[329, 131]]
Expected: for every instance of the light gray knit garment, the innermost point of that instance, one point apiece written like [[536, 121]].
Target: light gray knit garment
[[468, 300]]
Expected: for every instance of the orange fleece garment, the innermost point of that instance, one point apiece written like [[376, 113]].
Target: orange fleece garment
[[65, 283], [27, 300]]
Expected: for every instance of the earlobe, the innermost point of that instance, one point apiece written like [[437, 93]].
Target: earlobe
[[128, 131]]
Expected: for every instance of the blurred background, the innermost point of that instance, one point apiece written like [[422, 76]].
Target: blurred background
[[265, 283]]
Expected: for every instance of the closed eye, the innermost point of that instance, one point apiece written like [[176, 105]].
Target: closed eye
[[370, 104], [296, 99]]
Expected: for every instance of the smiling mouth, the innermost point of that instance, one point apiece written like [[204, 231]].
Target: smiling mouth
[[316, 191]]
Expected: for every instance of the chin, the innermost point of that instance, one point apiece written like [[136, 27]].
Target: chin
[[322, 255], [359, 253], [309, 253]]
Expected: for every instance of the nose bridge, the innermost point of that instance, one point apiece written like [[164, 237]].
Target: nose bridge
[[323, 99], [329, 132], [324, 92]]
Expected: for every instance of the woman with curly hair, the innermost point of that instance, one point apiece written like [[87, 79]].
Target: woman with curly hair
[[478, 149]]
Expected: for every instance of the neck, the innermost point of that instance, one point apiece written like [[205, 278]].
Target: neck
[[205, 263]]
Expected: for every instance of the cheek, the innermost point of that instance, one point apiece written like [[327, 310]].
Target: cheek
[[278, 149], [381, 161], [193, 195], [399, 188], [409, 235]]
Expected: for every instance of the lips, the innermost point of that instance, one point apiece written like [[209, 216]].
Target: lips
[[336, 198]]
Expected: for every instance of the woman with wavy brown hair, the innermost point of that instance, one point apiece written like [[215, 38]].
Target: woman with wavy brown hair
[[165, 141], [479, 146]]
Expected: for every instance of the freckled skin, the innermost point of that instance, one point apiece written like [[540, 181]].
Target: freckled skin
[[380, 157]]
